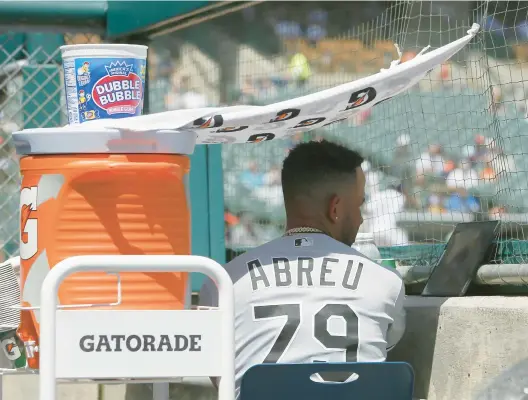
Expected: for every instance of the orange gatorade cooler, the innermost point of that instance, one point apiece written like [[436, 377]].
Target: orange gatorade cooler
[[96, 193]]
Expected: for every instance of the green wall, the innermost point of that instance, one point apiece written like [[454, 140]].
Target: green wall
[[126, 17], [207, 194]]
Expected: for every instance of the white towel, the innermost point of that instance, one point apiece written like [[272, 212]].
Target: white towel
[[252, 124]]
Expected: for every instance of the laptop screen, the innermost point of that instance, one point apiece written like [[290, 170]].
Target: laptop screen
[[465, 252]]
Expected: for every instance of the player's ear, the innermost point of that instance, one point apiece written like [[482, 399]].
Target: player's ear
[[334, 205]]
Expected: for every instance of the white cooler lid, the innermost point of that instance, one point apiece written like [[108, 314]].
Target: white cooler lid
[[103, 140]]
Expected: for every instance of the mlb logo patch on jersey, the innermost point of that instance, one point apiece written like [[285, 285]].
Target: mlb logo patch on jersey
[[303, 242]]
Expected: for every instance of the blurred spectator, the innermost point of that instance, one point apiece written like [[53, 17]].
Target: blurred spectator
[[401, 166], [435, 203], [488, 174], [449, 166], [325, 60], [382, 209], [402, 153], [361, 117], [184, 96], [496, 212], [244, 234], [372, 177], [251, 177], [230, 220], [299, 67], [408, 55], [315, 32], [522, 31], [316, 29], [248, 93], [461, 201], [431, 162], [462, 177], [499, 161], [288, 29], [445, 72], [492, 23], [481, 148], [468, 151], [267, 89], [271, 190], [273, 177]]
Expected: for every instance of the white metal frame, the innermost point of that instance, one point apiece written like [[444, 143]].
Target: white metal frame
[[125, 263]]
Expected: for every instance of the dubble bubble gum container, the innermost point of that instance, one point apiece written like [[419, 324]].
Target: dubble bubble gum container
[[104, 80]]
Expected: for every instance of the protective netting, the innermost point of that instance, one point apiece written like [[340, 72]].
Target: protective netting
[[450, 150], [31, 96]]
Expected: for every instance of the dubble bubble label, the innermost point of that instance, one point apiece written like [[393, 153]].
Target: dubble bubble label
[[104, 88]]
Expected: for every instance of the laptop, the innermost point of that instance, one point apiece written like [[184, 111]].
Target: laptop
[[467, 249]]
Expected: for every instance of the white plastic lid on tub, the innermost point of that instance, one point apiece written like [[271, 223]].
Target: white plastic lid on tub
[[103, 141], [104, 50]]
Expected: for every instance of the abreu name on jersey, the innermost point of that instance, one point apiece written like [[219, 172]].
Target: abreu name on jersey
[[305, 272]]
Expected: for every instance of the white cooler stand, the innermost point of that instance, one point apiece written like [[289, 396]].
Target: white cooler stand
[[208, 334]]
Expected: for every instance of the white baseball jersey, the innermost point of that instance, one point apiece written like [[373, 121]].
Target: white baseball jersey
[[307, 298]]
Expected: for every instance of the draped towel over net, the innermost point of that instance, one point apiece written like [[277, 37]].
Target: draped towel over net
[[253, 124]]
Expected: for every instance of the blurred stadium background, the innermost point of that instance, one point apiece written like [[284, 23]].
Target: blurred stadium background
[[452, 149]]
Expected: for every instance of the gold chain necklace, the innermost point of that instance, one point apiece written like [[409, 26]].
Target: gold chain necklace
[[303, 229]]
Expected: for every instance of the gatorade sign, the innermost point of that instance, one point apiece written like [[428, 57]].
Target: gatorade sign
[[133, 343], [139, 343]]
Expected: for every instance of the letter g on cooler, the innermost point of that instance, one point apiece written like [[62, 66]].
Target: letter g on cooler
[[28, 226]]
